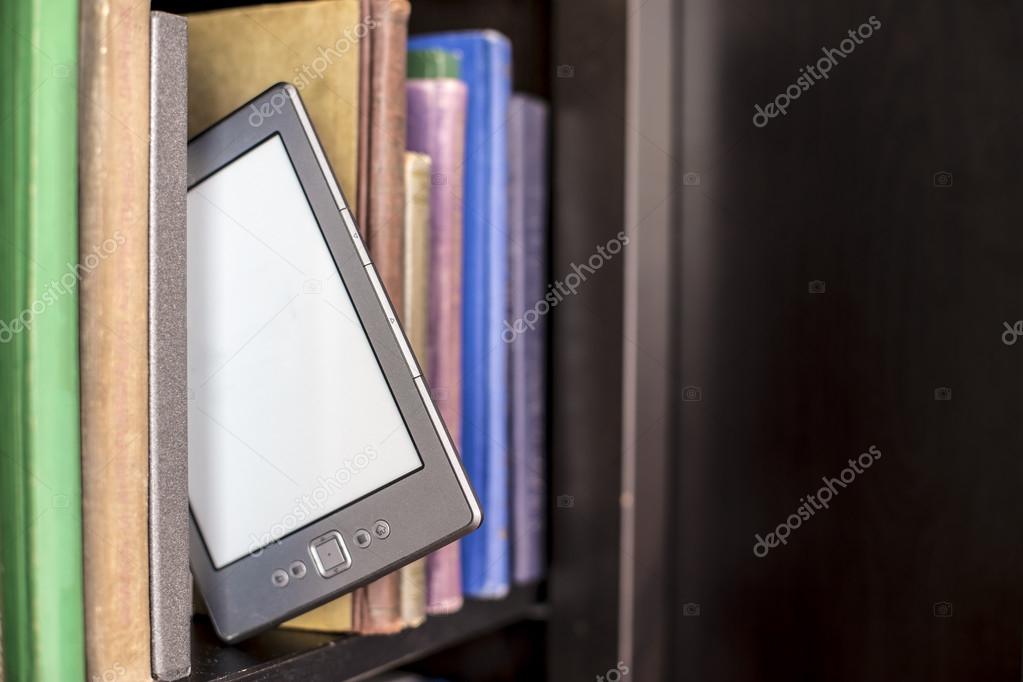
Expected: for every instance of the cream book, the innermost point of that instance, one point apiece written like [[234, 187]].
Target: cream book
[[113, 347], [414, 320]]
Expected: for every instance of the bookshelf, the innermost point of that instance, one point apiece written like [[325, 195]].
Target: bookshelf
[[571, 53], [291, 654]]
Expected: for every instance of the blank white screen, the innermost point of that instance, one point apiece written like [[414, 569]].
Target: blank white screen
[[289, 415]]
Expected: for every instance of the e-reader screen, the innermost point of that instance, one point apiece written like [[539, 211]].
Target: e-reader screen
[[290, 417]]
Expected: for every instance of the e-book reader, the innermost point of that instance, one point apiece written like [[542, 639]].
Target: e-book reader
[[317, 460]]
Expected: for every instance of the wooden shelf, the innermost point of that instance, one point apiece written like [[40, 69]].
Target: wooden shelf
[[294, 655]]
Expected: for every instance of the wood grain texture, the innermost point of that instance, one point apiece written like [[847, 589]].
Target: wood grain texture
[[114, 267]]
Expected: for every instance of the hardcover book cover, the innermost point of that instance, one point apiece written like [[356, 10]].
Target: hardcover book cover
[[170, 580], [40, 465], [114, 307], [235, 54], [527, 211], [485, 66], [436, 126]]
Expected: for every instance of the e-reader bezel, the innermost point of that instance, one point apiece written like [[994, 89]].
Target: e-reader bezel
[[425, 509]]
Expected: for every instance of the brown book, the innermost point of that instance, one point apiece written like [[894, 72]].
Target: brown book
[[414, 321], [376, 608], [235, 54], [114, 270]]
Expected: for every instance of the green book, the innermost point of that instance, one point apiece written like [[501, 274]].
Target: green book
[[432, 64], [40, 479]]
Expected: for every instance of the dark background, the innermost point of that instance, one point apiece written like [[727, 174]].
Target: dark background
[[919, 279]]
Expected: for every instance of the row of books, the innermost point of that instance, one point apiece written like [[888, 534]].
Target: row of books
[[447, 172]]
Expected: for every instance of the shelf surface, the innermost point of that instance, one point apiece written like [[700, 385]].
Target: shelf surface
[[295, 655]]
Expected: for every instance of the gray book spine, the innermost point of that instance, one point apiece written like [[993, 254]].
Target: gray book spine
[[527, 227], [170, 582]]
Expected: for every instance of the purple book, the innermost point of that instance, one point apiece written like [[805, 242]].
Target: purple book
[[436, 126], [527, 222]]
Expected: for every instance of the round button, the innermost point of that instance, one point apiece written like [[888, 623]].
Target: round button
[[381, 529], [279, 578], [297, 569], [363, 538]]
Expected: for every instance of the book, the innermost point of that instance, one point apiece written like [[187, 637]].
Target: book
[[485, 65], [415, 322], [436, 126], [235, 54], [113, 168], [527, 223], [376, 608], [431, 64], [170, 580], [40, 466]]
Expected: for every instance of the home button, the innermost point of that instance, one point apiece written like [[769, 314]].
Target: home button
[[330, 554]]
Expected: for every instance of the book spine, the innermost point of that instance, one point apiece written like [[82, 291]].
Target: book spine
[[376, 608], [114, 250], [436, 126], [170, 581], [486, 70], [414, 321], [527, 199], [386, 196], [486, 558], [40, 493]]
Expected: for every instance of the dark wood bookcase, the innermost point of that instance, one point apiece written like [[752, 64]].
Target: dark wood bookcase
[[573, 54]]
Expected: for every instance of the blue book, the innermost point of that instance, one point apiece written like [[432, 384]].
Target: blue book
[[527, 226], [485, 65]]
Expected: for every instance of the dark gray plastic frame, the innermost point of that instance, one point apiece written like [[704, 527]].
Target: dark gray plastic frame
[[425, 509]]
